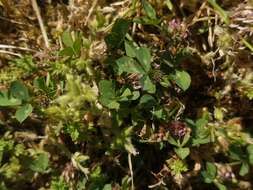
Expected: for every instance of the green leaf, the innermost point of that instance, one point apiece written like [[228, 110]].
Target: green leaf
[[23, 112], [68, 51], [250, 153], [2, 184], [117, 35], [130, 50], [220, 186], [165, 81], [135, 95], [169, 4], [77, 46], [73, 130], [248, 45], [113, 105], [199, 141], [59, 184], [211, 169], [40, 163], [182, 152], [128, 65], [107, 94], [218, 113], [107, 187], [244, 169], [186, 139], [172, 141], [40, 83], [200, 132], [106, 88], [210, 173], [147, 84], [19, 91], [124, 96], [67, 39], [147, 101], [128, 95], [159, 113], [144, 57], [149, 10], [182, 79], [207, 178], [235, 152], [8, 100], [223, 14]]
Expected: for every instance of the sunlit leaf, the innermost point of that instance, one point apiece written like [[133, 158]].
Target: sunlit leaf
[[223, 14], [182, 152], [144, 57], [23, 112], [8, 100], [130, 50], [244, 169], [107, 94], [150, 11], [147, 84], [128, 65], [67, 39], [182, 79]]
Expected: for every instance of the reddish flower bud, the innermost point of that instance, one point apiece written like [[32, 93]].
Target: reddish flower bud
[[178, 128]]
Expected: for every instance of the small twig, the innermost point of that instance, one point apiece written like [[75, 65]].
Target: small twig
[[42, 27], [10, 53], [158, 184], [13, 21], [134, 28], [181, 110], [4, 46], [210, 37], [213, 70], [120, 3], [131, 171], [197, 15], [91, 11]]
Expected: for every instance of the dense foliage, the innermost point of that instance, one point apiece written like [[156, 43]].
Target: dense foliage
[[150, 94]]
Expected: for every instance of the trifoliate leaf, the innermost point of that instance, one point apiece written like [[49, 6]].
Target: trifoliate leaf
[[144, 57]]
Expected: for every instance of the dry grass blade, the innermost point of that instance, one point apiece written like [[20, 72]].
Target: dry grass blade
[[42, 27]]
